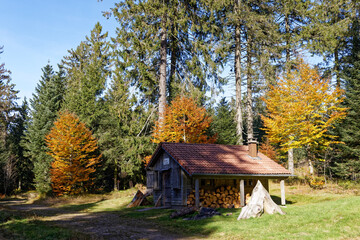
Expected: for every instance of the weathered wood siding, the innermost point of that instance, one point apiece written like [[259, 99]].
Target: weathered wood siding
[[167, 178]]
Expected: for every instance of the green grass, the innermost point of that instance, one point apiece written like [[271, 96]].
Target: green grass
[[310, 214], [20, 227]]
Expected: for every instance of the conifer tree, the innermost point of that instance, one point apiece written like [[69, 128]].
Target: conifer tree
[[327, 33], [8, 109], [24, 166], [45, 104], [87, 69], [124, 136], [347, 163], [224, 123], [150, 31]]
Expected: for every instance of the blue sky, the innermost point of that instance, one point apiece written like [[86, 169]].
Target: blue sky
[[35, 32]]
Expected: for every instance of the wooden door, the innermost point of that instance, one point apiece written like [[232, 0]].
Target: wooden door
[[166, 188]]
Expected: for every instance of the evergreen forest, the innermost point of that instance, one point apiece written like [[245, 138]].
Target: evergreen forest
[[96, 117]]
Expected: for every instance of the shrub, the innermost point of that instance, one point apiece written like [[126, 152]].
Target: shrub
[[315, 182]]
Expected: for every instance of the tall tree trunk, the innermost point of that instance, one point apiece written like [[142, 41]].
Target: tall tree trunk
[[162, 80], [172, 64], [250, 117], [237, 63], [288, 45], [287, 71], [336, 67], [291, 160], [311, 168], [116, 188]]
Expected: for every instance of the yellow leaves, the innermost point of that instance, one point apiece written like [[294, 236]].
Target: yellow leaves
[[73, 149], [184, 121], [301, 108]]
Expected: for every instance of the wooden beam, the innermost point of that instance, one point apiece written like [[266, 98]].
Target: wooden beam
[[242, 193], [282, 187], [197, 198]]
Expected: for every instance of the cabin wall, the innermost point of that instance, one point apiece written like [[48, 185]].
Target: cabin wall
[[166, 178]]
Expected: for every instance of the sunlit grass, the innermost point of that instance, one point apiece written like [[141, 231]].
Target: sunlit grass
[[310, 214], [19, 227]]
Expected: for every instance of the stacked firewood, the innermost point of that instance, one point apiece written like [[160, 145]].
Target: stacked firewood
[[222, 197]]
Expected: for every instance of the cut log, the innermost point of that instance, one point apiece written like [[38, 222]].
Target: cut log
[[260, 202], [137, 200], [183, 212]]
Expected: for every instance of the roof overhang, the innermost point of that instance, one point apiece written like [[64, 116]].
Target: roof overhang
[[209, 175]]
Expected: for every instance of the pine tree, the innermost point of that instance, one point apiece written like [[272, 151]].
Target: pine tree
[[87, 69], [224, 123], [45, 104]]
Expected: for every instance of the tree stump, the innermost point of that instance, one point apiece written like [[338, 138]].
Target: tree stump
[[260, 202]]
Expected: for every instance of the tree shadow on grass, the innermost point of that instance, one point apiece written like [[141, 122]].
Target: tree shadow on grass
[[277, 200], [118, 222]]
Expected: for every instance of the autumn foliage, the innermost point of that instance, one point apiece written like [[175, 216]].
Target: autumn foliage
[[74, 151], [301, 109], [183, 121]]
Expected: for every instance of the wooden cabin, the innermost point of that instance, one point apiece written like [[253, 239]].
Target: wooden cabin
[[215, 175]]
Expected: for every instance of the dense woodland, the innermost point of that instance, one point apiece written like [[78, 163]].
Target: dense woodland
[[96, 117]]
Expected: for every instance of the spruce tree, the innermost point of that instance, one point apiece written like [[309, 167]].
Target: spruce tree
[[45, 104], [347, 164], [224, 125], [17, 132], [124, 135], [327, 34], [87, 69], [152, 30]]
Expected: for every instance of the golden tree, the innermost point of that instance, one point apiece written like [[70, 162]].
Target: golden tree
[[184, 121], [74, 151], [301, 109]]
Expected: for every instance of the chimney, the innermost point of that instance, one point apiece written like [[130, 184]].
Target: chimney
[[253, 145]]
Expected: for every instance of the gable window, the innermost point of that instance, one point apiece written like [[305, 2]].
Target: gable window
[[166, 160]]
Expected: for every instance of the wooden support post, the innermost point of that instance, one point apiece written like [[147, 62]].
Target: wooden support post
[[282, 187], [197, 198], [242, 193]]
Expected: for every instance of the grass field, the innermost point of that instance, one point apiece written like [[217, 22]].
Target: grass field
[[331, 213]]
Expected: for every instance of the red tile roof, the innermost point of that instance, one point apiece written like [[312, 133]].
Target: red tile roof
[[200, 159]]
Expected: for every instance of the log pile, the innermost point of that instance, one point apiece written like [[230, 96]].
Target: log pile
[[222, 197]]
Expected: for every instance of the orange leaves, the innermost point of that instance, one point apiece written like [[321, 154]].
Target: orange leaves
[[184, 121], [301, 108], [73, 148]]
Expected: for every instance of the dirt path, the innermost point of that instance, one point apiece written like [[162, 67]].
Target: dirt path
[[98, 225]]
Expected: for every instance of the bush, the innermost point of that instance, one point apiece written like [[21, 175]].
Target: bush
[[315, 182]]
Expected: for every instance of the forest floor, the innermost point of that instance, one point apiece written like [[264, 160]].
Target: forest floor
[[330, 213], [83, 224]]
